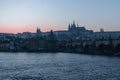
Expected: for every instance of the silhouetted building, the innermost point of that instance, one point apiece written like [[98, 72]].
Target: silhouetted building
[[77, 29], [74, 31], [73, 28], [38, 32], [107, 35], [101, 30]]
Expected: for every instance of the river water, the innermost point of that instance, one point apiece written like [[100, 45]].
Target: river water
[[58, 66]]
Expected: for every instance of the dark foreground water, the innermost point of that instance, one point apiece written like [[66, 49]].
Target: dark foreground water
[[59, 66]]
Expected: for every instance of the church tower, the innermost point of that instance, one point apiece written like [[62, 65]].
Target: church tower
[[69, 27], [38, 32], [101, 30], [74, 25]]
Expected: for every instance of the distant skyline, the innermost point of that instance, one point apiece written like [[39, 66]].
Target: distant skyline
[[26, 15]]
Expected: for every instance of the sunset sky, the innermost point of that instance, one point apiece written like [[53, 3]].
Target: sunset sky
[[26, 15]]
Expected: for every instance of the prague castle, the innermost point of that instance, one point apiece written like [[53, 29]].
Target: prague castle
[[74, 32]]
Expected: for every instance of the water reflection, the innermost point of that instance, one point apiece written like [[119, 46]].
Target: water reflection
[[59, 66]]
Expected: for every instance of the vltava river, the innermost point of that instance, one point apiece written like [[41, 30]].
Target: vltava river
[[58, 66]]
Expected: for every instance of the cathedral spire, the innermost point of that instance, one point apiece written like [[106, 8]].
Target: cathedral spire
[[73, 22], [69, 26], [38, 32], [74, 25]]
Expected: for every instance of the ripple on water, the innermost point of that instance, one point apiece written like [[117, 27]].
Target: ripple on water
[[60, 66]]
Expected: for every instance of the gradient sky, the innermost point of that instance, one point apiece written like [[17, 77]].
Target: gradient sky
[[27, 15]]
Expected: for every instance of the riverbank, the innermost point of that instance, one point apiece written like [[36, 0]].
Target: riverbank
[[75, 52]]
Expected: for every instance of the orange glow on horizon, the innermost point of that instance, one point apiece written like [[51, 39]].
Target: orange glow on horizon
[[14, 29], [20, 28]]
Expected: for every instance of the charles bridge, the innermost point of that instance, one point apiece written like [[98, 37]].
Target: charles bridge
[[103, 46]]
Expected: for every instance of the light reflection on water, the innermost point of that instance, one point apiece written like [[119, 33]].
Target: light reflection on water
[[58, 66]]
